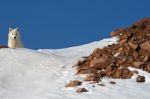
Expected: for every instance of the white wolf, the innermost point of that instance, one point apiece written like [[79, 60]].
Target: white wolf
[[14, 40]]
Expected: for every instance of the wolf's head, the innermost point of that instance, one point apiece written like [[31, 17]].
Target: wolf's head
[[14, 33]]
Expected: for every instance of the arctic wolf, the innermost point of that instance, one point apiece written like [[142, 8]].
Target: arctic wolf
[[14, 40]]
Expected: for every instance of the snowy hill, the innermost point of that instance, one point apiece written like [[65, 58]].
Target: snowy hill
[[42, 74]]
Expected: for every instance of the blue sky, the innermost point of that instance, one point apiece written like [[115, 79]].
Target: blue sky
[[55, 24]]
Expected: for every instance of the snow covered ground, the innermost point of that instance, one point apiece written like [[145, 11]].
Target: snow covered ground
[[42, 74]]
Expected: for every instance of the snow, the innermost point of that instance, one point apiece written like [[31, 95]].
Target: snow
[[42, 74]]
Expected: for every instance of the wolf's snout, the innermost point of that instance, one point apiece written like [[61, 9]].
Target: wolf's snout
[[14, 37]]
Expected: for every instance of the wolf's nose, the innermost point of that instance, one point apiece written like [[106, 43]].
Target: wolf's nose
[[14, 37]]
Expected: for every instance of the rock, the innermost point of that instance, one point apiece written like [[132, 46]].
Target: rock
[[74, 83], [123, 41], [116, 55], [126, 73], [100, 74], [85, 57], [145, 46], [92, 78], [80, 90], [109, 68], [135, 54], [134, 72], [134, 46], [123, 73], [101, 84], [97, 61], [79, 63], [86, 70], [114, 33], [120, 49], [138, 64], [140, 79], [148, 68], [93, 86], [96, 50], [112, 82], [146, 58], [132, 49]]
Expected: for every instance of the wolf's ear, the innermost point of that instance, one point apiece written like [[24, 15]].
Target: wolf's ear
[[10, 29], [17, 28]]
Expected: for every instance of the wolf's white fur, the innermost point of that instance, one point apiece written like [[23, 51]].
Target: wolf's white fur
[[14, 40]]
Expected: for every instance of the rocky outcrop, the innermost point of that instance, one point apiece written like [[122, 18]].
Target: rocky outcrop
[[133, 49]]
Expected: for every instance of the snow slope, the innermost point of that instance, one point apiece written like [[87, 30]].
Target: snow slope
[[42, 74]]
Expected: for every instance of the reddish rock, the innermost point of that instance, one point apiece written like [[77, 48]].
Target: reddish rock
[[114, 33], [123, 41], [133, 49], [134, 46], [101, 74], [86, 70], [81, 90], [109, 68], [91, 78], [135, 54], [148, 68], [120, 49], [138, 64], [74, 83], [146, 58], [97, 61], [145, 46], [96, 50], [126, 73], [140, 79]]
